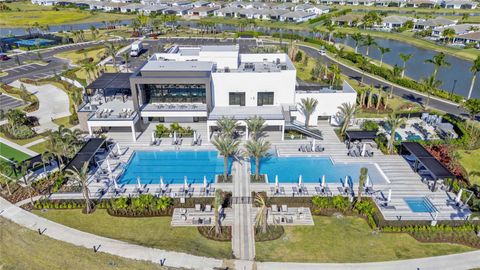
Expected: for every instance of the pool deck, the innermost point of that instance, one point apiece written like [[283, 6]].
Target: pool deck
[[401, 179]]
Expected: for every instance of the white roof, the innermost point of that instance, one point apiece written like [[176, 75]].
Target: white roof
[[177, 66]]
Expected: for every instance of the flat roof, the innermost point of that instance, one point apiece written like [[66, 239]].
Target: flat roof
[[85, 154], [434, 166], [155, 65], [246, 112], [416, 149], [360, 135], [111, 81]]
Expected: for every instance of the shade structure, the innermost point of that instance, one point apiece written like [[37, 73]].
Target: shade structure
[[175, 136], [118, 149], [367, 182], [194, 135], [205, 181], [345, 182], [313, 144]]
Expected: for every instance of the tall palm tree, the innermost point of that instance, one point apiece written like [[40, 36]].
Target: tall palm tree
[[217, 205], [438, 61], [81, 177], [362, 62], [257, 149], [307, 107], [46, 158], [449, 34], [126, 56], [383, 51], [430, 84], [111, 51], [6, 167], [369, 42], [346, 112], [330, 30], [475, 68], [255, 125], [336, 79], [361, 182], [394, 122], [357, 38], [405, 58], [227, 126], [227, 147], [262, 214]]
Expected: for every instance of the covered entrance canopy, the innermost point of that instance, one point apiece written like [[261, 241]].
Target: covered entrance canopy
[[423, 157], [273, 116]]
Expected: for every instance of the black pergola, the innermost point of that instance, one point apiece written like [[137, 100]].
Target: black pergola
[[85, 154], [359, 135], [111, 81], [431, 164]]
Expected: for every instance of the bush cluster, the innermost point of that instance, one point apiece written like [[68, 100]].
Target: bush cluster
[[163, 131]]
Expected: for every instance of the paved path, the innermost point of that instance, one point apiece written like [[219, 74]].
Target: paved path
[[30, 144], [21, 148], [243, 240], [107, 245], [54, 103]]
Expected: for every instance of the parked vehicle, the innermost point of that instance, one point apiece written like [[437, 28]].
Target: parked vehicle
[[136, 48], [3, 57]]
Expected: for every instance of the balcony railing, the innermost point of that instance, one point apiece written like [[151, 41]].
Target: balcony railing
[[111, 115], [174, 107]]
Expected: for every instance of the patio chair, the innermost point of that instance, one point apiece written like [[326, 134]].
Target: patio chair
[[208, 221], [295, 190], [198, 207], [208, 208], [158, 141], [318, 191], [282, 190], [199, 142], [202, 191], [290, 220], [284, 208], [274, 208]]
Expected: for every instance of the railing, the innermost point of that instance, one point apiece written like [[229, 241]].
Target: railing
[[297, 126], [113, 117], [174, 107]]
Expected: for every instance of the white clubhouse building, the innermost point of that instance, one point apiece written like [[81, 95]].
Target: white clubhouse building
[[203, 84]]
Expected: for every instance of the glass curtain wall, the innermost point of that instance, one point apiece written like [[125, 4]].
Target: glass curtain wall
[[175, 93]]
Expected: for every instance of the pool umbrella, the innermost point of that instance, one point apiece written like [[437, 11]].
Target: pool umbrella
[[364, 149], [459, 196], [345, 183], [389, 197], [185, 182], [175, 136], [323, 181], [367, 182], [313, 144], [115, 183], [138, 182], [300, 180], [194, 135], [205, 181], [162, 185], [108, 166], [276, 181], [153, 136]]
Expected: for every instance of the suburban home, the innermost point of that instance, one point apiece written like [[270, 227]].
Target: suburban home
[[297, 16], [423, 24], [44, 2], [201, 3], [395, 21], [460, 29], [226, 12], [473, 37], [202, 11], [153, 9], [309, 8], [460, 4], [176, 10], [422, 3], [132, 8], [274, 14], [347, 20]]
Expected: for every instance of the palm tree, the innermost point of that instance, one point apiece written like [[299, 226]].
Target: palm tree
[[255, 126], [330, 30], [112, 52], [307, 107], [394, 122], [438, 61], [217, 205], [474, 69], [361, 182], [257, 149], [362, 62], [335, 74], [46, 158], [357, 38], [227, 126], [405, 58], [6, 167], [227, 147], [449, 34], [346, 112], [430, 84], [262, 215], [383, 51], [126, 56], [81, 177], [368, 42]]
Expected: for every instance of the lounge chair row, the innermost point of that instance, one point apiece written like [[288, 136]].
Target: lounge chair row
[[309, 148]]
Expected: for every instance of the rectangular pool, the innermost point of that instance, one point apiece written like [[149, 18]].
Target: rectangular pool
[[173, 166], [289, 169], [420, 205]]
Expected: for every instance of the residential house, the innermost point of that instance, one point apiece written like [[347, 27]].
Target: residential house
[[297, 16], [423, 24], [460, 4], [347, 20], [395, 21], [202, 11]]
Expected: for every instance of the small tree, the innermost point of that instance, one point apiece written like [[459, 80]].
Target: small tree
[[257, 149], [361, 182], [217, 204], [261, 220], [475, 68], [255, 125], [81, 177], [298, 56], [383, 51], [307, 107], [227, 147], [405, 58], [394, 122], [430, 84], [473, 107], [227, 126], [346, 112]]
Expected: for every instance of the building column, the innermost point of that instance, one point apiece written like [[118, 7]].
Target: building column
[[134, 136], [90, 130]]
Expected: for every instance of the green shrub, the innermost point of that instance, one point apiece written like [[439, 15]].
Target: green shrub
[[370, 125]]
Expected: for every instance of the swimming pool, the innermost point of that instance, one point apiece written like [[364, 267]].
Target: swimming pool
[[173, 166], [420, 205], [289, 169]]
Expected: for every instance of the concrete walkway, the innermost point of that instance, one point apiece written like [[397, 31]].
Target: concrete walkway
[[20, 148], [54, 103], [35, 142], [103, 244]]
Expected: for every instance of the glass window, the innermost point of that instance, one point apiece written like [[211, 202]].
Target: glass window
[[236, 98], [175, 93], [264, 98]]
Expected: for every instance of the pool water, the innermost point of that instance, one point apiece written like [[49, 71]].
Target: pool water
[[289, 169], [420, 205], [173, 166]]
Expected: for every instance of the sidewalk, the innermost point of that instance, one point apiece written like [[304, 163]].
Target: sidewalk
[[21, 148], [107, 245]]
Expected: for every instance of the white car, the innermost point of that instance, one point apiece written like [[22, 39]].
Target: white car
[[322, 52]]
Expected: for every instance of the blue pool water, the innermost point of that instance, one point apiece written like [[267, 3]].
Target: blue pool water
[[173, 166], [420, 205], [289, 169]]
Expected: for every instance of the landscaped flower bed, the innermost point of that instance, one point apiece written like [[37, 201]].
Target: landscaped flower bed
[[209, 233]]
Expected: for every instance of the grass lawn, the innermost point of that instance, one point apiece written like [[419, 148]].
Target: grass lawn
[[65, 121], [152, 232], [22, 248], [470, 161], [346, 239], [12, 153], [39, 147], [23, 141], [77, 56]]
